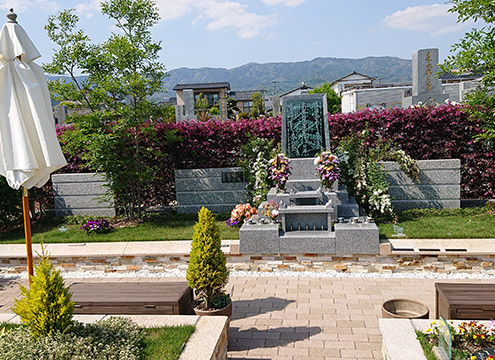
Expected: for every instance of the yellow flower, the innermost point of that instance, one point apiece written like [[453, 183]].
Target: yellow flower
[[428, 330], [475, 336], [473, 357], [433, 322]]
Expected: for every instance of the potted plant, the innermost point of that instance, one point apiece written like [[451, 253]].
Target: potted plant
[[207, 272]]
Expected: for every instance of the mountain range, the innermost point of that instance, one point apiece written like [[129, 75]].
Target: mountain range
[[285, 76]]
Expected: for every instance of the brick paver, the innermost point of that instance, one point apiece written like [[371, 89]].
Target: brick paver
[[299, 318]]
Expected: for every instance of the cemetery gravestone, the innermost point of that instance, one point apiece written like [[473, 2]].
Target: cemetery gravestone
[[223, 109], [179, 113], [305, 125], [426, 86], [61, 114], [276, 106], [188, 95]]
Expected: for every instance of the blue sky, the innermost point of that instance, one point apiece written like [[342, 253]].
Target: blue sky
[[220, 33]]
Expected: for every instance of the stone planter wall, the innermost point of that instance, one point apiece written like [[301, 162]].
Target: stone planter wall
[[439, 185], [79, 194], [220, 190]]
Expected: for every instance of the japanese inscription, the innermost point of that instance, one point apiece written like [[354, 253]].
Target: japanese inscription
[[428, 71], [305, 125]]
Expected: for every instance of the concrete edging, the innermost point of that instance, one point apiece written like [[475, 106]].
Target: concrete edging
[[208, 342]]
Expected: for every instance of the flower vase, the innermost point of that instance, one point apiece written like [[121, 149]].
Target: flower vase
[[327, 186]]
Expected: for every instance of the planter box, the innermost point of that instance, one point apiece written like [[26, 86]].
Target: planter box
[[208, 342], [399, 337]]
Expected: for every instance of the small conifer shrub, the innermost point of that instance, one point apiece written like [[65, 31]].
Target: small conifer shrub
[[207, 271], [45, 307]]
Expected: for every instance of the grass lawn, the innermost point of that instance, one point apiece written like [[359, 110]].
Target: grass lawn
[[416, 224], [165, 343], [168, 226], [443, 224]]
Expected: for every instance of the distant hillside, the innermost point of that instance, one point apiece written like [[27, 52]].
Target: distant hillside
[[289, 75]]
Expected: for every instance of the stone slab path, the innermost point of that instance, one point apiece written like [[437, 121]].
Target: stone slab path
[[300, 317]]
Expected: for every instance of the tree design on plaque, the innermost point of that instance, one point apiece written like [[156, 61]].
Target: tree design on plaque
[[305, 127]]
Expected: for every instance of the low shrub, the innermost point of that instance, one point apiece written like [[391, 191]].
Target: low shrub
[[46, 307], [115, 338], [207, 272]]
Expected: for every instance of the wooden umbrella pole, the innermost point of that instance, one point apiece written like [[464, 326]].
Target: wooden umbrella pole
[[27, 232]]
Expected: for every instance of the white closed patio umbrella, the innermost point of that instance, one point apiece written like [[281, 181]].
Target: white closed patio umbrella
[[29, 148]]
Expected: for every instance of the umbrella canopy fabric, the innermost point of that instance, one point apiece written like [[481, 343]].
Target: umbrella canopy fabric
[[29, 148]]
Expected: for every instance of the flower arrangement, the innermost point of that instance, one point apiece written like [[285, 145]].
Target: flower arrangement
[[100, 226], [467, 338], [327, 168], [240, 213], [270, 210], [280, 170]]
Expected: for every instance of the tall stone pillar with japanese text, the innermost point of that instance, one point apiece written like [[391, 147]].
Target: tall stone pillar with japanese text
[[426, 85]]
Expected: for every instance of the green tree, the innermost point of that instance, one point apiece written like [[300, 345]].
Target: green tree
[[214, 110], [201, 107], [333, 100], [121, 75], [476, 53], [207, 271], [46, 306], [258, 107], [232, 108]]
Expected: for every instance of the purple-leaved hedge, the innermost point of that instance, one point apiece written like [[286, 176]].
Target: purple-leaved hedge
[[443, 132]]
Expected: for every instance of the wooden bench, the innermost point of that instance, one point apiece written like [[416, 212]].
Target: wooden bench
[[465, 301], [132, 298]]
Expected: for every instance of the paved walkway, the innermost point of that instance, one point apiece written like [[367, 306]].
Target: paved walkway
[[299, 318]]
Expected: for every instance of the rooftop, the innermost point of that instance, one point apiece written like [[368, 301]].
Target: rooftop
[[199, 86]]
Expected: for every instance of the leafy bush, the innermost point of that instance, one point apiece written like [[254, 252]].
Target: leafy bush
[[46, 307], [425, 133], [114, 338], [207, 271], [363, 176], [445, 132], [10, 206], [255, 161]]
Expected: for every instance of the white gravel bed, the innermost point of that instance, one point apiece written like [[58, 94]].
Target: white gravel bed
[[275, 273]]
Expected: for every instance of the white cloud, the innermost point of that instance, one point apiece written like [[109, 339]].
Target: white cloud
[[21, 6], [231, 14], [88, 9], [219, 14], [433, 19], [284, 2], [174, 9]]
